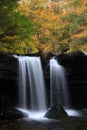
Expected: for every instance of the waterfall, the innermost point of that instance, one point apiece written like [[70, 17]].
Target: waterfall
[[37, 86], [32, 93], [58, 86], [31, 84]]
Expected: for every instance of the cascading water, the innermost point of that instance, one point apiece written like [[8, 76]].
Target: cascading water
[[31, 78], [37, 86], [58, 86], [22, 83]]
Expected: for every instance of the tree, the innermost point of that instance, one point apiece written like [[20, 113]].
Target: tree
[[15, 28], [56, 26]]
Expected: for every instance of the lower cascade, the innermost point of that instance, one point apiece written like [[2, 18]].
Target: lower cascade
[[58, 85], [32, 91]]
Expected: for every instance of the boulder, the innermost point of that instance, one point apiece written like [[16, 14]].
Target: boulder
[[11, 114], [56, 112]]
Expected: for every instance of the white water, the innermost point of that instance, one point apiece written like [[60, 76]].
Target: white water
[[72, 112], [31, 86], [36, 115], [58, 86]]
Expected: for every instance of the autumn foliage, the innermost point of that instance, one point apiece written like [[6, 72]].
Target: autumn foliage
[[58, 26]]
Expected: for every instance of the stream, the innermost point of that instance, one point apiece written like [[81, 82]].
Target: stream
[[68, 123]]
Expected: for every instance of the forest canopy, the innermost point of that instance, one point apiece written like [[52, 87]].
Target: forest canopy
[[29, 26]]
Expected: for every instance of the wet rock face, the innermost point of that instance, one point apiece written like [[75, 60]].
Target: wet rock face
[[76, 64], [8, 80], [8, 66]]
